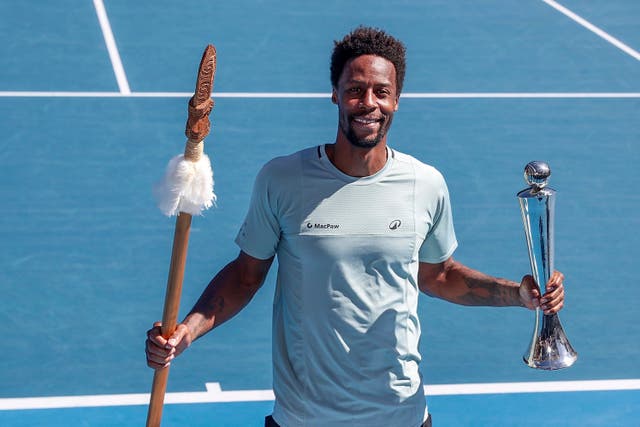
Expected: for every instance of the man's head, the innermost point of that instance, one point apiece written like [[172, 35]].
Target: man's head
[[367, 70], [368, 41]]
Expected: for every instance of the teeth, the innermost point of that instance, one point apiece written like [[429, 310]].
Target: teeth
[[365, 121]]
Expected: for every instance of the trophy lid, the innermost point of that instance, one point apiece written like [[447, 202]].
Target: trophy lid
[[536, 174]]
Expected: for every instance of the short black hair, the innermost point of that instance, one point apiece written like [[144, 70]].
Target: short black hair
[[368, 41]]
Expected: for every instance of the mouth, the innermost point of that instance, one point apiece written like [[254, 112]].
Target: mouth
[[366, 122]]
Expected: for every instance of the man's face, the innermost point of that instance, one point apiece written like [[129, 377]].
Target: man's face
[[367, 98]]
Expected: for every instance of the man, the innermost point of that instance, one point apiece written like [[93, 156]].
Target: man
[[359, 229]]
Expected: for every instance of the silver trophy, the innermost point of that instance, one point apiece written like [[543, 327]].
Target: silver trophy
[[549, 349]]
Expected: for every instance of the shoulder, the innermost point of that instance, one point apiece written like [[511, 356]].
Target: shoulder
[[284, 167], [283, 174], [423, 172]]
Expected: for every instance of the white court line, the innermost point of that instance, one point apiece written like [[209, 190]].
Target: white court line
[[523, 95], [214, 394], [532, 387], [110, 41], [614, 41], [313, 95]]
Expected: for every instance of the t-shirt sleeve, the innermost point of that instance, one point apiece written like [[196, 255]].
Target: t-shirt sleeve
[[441, 241], [259, 235]]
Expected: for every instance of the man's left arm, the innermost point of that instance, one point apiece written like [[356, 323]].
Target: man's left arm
[[457, 283]]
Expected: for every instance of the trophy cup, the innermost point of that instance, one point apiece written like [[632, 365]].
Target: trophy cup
[[549, 349]]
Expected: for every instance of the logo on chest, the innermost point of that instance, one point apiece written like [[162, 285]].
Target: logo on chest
[[327, 226]]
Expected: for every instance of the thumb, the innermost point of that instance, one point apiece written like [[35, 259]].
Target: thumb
[[529, 292], [178, 335]]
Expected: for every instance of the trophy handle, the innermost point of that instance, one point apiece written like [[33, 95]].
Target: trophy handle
[[550, 348]]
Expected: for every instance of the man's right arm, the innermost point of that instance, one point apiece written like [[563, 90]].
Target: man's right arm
[[227, 293]]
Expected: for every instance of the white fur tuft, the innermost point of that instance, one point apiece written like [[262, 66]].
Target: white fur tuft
[[187, 187]]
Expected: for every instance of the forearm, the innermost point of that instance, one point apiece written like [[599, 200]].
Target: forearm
[[459, 284], [224, 297]]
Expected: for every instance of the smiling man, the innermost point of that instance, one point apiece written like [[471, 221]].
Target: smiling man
[[359, 230], [367, 100]]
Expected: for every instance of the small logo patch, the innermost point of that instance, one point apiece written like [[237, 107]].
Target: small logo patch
[[395, 224]]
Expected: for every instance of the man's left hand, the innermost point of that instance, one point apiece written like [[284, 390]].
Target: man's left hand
[[553, 299]]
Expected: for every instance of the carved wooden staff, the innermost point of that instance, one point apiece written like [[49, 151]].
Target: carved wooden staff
[[187, 190]]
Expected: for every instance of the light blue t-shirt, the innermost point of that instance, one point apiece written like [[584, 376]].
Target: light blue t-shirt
[[345, 323]]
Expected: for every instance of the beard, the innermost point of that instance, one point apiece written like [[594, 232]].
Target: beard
[[369, 141]]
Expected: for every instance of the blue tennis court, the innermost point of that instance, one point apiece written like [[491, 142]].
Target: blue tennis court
[[93, 100]]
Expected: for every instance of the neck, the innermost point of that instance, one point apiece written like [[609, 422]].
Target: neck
[[357, 161]]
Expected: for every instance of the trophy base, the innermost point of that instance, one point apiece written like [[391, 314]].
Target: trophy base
[[550, 348], [551, 365]]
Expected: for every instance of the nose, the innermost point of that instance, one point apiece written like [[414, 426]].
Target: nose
[[367, 100]]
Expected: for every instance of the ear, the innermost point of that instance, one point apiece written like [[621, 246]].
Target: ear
[[334, 96], [395, 108]]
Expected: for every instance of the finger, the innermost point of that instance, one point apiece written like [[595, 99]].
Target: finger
[[556, 280], [529, 292], [534, 293], [558, 275], [157, 358], [553, 301], [180, 339], [554, 292], [531, 285], [154, 364], [155, 335], [177, 336], [159, 351], [553, 308]]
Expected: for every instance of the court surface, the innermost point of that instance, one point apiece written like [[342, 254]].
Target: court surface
[[93, 102]]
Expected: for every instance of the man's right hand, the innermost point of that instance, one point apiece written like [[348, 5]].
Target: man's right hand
[[160, 352]]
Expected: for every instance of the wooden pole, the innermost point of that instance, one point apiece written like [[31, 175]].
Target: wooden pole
[[170, 312], [197, 129]]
